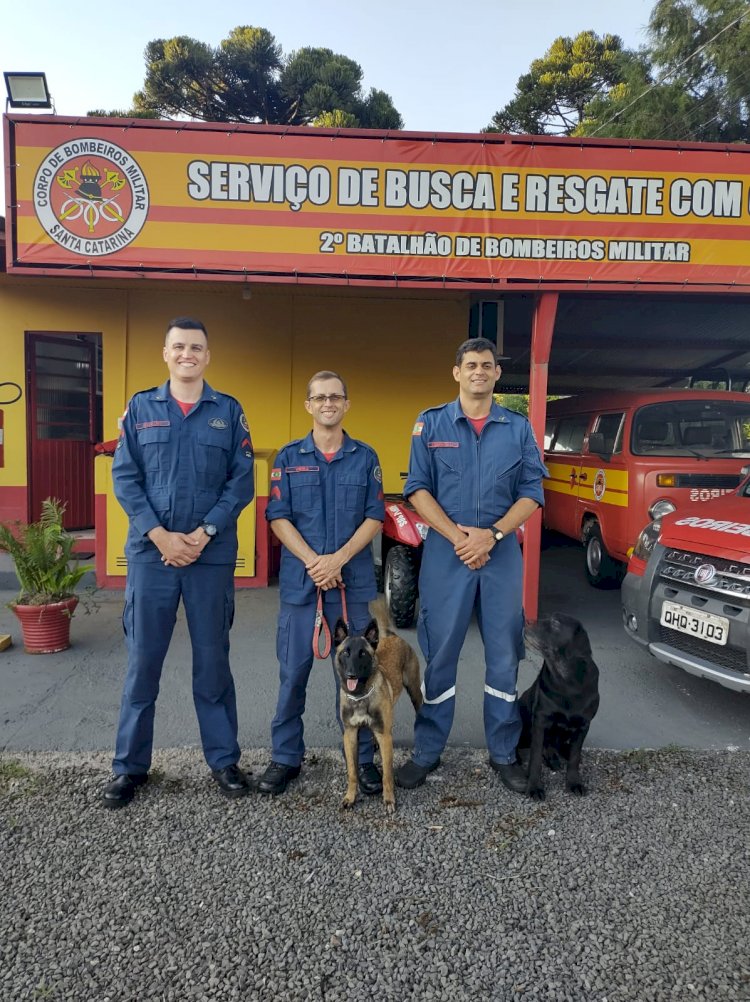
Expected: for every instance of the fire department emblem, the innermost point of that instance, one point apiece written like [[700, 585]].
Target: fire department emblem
[[91, 197], [600, 485], [704, 574]]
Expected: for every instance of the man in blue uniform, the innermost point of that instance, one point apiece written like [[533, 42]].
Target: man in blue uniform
[[183, 472], [326, 506], [475, 474]]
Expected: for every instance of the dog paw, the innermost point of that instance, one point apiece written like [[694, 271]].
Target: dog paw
[[535, 793], [347, 802], [390, 806], [577, 789]]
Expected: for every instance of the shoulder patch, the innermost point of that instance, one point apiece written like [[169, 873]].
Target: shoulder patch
[[378, 474], [276, 473], [417, 430], [243, 421]]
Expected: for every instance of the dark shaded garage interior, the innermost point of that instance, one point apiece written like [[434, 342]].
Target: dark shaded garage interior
[[632, 340]]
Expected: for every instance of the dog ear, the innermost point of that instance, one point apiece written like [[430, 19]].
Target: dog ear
[[340, 632], [372, 634]]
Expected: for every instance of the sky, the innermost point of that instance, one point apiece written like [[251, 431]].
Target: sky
[[448, 65]]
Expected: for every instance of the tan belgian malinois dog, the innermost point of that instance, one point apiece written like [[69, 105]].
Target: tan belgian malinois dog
[[373, 668]]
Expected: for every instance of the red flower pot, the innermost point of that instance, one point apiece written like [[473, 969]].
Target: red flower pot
[[46, 628]]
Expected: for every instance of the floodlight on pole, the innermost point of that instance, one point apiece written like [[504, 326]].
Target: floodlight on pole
[[27, 90]]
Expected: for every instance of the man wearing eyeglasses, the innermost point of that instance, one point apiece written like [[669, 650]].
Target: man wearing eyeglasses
[[326, 506]]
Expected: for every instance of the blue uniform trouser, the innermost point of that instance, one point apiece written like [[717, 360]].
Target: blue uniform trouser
[[152, 595], [449, 593], [295, 653]]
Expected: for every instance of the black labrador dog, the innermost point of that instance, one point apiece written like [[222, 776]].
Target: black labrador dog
[[557, 709]]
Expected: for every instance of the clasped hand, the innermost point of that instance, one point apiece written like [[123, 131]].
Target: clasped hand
[[325, 570], [474, 549], [179, 549]]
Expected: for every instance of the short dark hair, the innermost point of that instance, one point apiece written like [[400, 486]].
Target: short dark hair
[[475, 344], [186, 324], [326, 374]]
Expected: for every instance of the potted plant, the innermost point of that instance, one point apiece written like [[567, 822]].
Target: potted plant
[[48, 573]]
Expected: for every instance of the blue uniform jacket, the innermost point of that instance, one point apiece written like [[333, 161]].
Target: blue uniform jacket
[[474, 478], [326, 503], [180, 471]]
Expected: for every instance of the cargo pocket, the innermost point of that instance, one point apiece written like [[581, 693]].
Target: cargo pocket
[[282, 637], [151, 442], [212, 454], [304, 489], [127, 614], [448, 474], [351, 491], [506, 484]]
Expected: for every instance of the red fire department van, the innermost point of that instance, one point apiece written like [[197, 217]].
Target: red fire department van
[[618, 460], [686, 596]]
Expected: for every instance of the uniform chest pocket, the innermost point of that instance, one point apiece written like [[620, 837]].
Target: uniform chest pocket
[[153, 443], [448, 474], [506, 481], [305, 491], [212, 453], [350, 491]]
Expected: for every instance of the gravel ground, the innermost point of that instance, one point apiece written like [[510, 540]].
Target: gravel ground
[[638, 892]]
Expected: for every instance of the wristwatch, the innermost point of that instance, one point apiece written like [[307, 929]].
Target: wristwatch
[[210, 530], [498, 534]]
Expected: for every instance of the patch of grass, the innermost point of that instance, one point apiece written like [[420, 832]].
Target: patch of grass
[[652, 758], [16, 779]]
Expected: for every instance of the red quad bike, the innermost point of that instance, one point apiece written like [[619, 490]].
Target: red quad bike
[[397, 567], [397, 570]]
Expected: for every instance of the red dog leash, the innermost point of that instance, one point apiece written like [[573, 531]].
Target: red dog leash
[[322, 624]]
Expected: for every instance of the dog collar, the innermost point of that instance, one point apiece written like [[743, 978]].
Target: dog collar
[[356, 699]]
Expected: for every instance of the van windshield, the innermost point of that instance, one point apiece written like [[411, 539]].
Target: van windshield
[[705, 428]]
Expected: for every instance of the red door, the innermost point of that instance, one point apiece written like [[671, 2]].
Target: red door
[[63, 387]]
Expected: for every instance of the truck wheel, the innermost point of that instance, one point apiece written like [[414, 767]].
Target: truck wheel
[[400, 585], [601, 570]]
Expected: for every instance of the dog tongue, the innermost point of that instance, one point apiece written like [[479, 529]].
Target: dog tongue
[[351, 684]]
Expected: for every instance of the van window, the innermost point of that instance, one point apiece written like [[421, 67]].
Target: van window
[[692, 428], [610, 425], [549, 431], [570, 433]]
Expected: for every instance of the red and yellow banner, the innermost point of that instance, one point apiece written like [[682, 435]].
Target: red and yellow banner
[[212, 201]]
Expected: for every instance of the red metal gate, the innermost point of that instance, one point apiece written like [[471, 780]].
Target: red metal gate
[[64, 415]]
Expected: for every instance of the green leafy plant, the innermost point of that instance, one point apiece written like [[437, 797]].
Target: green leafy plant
[[46, 567]]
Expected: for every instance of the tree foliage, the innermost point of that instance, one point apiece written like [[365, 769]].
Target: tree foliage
[[696, 84], [691, 82], [552, 97], [247, 78]]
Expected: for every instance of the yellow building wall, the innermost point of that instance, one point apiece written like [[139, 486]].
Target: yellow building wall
[[396, 355], [395, 351]]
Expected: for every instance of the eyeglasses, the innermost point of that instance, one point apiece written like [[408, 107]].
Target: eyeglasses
[[321, 398]]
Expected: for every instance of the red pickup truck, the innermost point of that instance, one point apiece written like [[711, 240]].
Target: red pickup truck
[[686, 595]]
